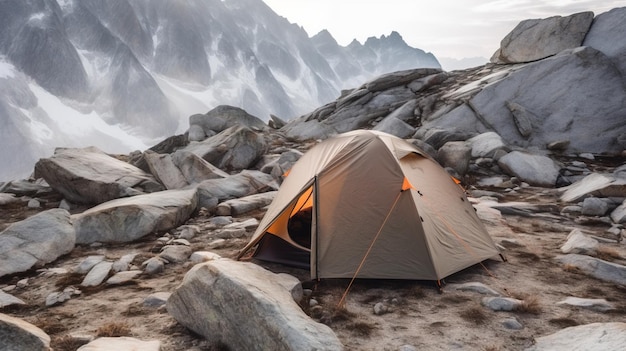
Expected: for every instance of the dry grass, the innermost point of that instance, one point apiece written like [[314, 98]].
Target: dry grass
[[66, 343], [531, 305], [608, 253], [114, 329], [570, 268], [474, 315], [50, 325], [492, 348], [361, 328], [456, 299], [69, 279]]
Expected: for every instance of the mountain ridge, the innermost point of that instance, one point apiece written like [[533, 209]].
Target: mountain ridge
[[146, 66]]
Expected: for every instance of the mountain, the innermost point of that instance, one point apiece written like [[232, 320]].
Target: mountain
[[121, 75]]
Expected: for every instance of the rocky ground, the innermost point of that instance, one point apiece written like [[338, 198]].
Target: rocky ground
[[378, 315]]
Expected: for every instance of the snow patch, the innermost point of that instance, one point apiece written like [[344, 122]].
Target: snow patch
[[82, 127], [7, 70]]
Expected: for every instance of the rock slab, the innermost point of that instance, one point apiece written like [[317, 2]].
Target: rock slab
[[245, 306], [16, 334], [595, 336]]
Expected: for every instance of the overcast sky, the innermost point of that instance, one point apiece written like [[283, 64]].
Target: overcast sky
[[447, 28]]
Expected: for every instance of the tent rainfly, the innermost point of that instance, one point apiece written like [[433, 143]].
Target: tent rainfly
[[367, 204]]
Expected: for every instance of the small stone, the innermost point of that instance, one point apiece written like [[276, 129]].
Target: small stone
[[8, 300], [156, 299], [501, 303], [97, 274], [88, 263], [34, 203], [221, 220], [577, 242], [175, 253], [380, 309], [558, 145], [153, 266], [123, 264], [587, 155], [22, 283], [512, 323], [476, 287], [217, 244], [600, 305], [123, 277], [189, 232], [64, 204], [593, 206], [313, 302]]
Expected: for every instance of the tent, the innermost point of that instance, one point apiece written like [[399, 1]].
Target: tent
[[371, 205]]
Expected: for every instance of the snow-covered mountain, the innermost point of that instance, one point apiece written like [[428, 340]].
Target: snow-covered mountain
[[122, 74]]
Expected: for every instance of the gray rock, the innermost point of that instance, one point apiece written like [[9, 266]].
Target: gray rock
[[123, 277], [619, 214], [33, 203], [535, 39], [523, 118], [600, 305], [59, 297], [456, 155], [164, 170], [220, 298], [485, 144], [594, 336], [236, 207], [512, 324], [534, 169], [501, 303], [17, 334], [123, 263], [89, 176], [8, 300], [97, 274], [189, 231], [395, 79], [475, 287], [593, 206], [235, 148], [153, 265], [380, 309], [157, 299], [125, 220], [250, 223], [121, 343], [194, 168], [395, 126], [6, 199], [88, 263], [223, 117], [605, 27], [596, 184], [597, 268], [175, 253], [196, 133], [36, 241], [248, 182], [281, 163], [579, 243]]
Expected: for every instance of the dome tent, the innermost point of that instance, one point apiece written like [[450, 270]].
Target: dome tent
[[377, 207]]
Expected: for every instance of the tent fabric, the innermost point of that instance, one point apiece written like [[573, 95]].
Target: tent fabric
[[368, 192]]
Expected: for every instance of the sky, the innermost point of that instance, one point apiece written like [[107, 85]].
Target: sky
[[447, 28]]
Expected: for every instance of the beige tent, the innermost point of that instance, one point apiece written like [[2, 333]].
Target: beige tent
[[372, 206]]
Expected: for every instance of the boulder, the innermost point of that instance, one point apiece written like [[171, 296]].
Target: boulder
[[8, 300], [600, 305], [593, 206], [223, 117], [563, 114], [579, 243], [485, 144], [248, 182], [535, 39], [236, 207], [121, 343], [456, 155], [17, 334], [235, 148], [128, 219], [219, 299], [281, 164], [533, 169], [194, 168], [594, 336], [89, 176], [164, 170], [601, 36], [36, 241], [619, 214], [597, 268], [596, 184], [97, 274], [501, 303]]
